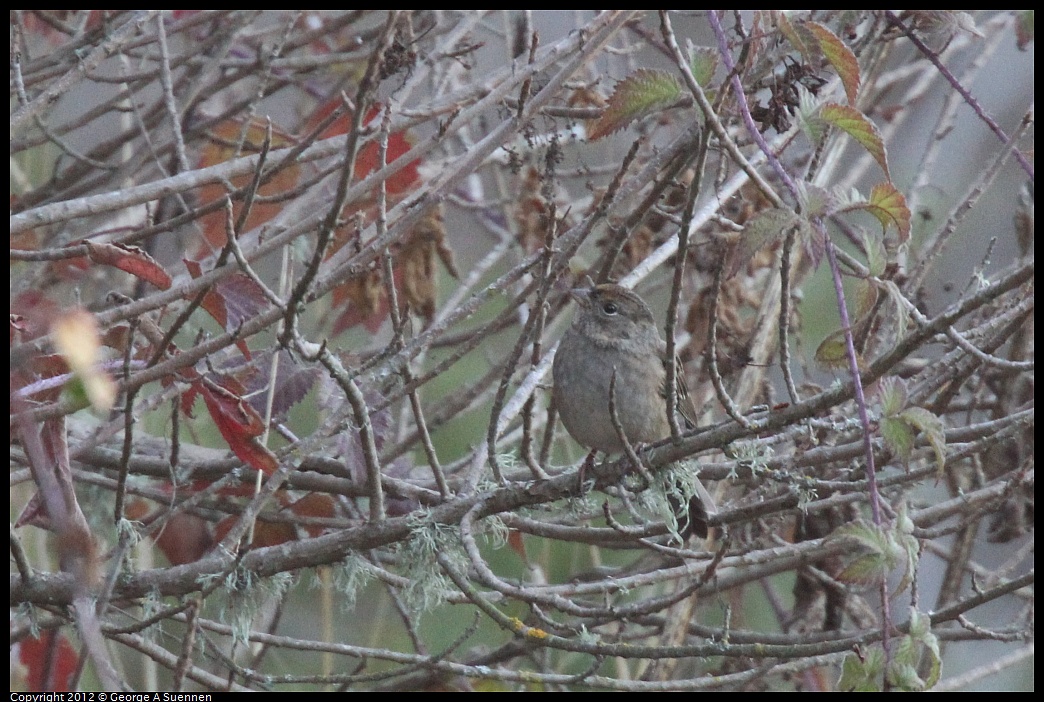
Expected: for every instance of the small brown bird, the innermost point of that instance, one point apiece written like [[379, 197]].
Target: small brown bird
[[614, 330]]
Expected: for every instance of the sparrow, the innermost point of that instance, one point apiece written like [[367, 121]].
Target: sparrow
[[614, 332]]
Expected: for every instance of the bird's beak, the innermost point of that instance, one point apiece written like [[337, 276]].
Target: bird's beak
[[581, 295]]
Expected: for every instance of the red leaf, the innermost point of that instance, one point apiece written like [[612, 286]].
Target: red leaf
[[239, 425], [185, 539], [314, 504], [222, 147], [49, 661], [265, 533], [366, 162], [231, 301], [517, 544], [131, 259], [36, 311]]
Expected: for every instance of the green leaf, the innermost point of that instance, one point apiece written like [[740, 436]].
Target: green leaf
[[703, 60], [1024, 29], [898, 437], [840, 57], [863, 533], [906, 542], [876, 255], [866, 300], [908, 655], [816, 201], [808, 115], [832, 353], [640, 94], [75, 393], [862, 674], [867, 569], [889, 206], [797, 33], [921, 632], [856, 125], [894, 395], [903, 676], [764, 228], [932, 426], [876, 552]]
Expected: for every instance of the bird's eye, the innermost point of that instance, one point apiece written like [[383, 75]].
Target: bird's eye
[[610, 308]]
